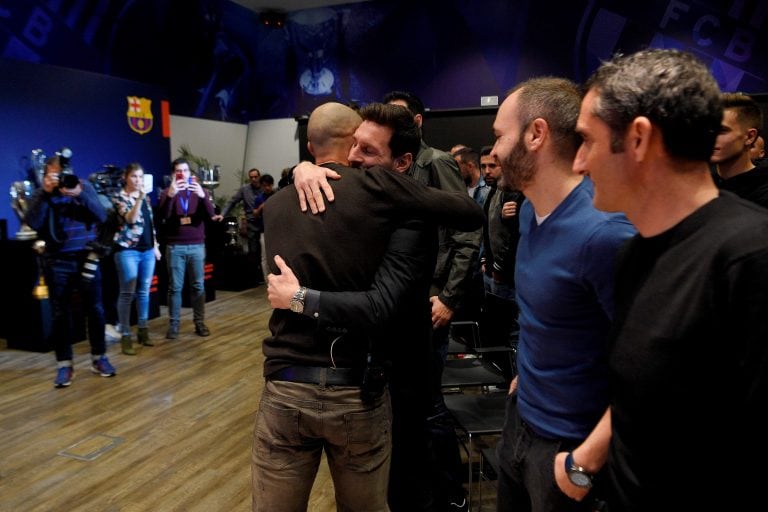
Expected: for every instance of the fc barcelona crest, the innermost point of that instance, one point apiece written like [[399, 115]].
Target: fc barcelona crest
[[140, 114]]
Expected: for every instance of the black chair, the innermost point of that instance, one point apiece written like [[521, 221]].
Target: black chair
[[457, 337], [471, 365], [476, 415], [481, 377]]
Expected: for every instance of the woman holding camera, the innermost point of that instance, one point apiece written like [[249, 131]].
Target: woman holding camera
[[136, 250]]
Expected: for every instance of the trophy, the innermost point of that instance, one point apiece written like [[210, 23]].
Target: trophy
[[20, 191], [233, 233], [40, 291], [209, 178], [37, 159]]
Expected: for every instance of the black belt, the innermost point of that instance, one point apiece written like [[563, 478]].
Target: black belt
[[319, 375]]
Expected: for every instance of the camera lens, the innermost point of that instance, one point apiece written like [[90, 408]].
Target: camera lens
[[68, 180]]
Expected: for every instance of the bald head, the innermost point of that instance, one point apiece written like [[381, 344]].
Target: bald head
[[330, 130]]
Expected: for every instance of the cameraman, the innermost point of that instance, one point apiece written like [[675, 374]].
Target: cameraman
[[66, 213]]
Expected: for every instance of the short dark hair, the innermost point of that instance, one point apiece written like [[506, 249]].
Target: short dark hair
[[253, 169], [557, 101], [747, 111], [415, 105], [267, 178], [466, 155], [486, 150], [180, 161], [673, 89], [406, 135]]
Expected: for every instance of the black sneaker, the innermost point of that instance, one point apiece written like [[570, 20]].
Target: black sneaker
[[172, 334], [201, 329]]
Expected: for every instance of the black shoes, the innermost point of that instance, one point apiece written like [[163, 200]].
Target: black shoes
[[201, 329]]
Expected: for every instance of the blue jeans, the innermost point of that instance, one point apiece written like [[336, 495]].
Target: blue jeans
[[182, 259], [134, 273], [296, 422], [64, 276]]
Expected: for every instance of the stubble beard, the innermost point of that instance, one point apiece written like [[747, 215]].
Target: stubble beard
[[518, 168]]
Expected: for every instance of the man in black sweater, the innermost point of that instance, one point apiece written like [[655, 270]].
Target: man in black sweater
[[689, 355], [326, 372], [742, 121]]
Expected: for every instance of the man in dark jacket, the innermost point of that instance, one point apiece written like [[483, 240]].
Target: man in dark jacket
[[67, 214], [341, 250]]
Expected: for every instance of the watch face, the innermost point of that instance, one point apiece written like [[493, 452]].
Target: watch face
[[580, 479]]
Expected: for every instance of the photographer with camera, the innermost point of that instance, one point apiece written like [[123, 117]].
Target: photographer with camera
[[185, 206], [67, 214]]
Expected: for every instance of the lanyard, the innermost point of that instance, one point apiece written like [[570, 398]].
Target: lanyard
[[184, 203]]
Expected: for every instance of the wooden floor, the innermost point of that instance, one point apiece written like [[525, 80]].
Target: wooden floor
[[171, 432]]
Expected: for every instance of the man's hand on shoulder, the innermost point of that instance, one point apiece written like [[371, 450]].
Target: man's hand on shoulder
[[311, 182]]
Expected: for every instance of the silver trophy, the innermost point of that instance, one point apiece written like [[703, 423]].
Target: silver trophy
[[37, 159], [20, 192], [209, 178]]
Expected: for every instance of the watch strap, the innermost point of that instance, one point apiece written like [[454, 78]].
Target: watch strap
[[297, 302]]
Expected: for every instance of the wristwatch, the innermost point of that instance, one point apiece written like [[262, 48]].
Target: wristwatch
[[577, 474], [297, 302]]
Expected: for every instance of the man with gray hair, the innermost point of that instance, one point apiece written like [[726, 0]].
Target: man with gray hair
[[689, 348]]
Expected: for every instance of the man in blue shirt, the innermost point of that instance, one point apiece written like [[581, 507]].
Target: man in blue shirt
[[564, 281]]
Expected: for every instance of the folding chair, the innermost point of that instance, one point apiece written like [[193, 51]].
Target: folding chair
[[472, 366], [476, 415], [488, 366]]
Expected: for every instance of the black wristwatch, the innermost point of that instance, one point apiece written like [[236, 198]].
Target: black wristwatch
[[577, 474], [297, 302]]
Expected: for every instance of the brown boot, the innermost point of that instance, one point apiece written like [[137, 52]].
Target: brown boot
[[143, 336], [127, 345]]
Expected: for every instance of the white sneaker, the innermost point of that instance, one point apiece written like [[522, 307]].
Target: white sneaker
[[111, 334]]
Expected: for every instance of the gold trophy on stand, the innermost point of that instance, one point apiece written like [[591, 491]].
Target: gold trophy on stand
[[20, 191], [40, 292]]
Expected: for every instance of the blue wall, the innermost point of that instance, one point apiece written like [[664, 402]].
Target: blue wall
[[219, 61], [68, 65], [47, 107]]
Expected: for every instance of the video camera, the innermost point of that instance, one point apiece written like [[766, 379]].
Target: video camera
[[108, 181], [67, 178]]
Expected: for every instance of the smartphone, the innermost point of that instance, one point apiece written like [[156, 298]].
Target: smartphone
[[179, 175], [149, 184]]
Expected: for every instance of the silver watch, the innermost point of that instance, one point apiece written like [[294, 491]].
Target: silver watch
[[297, 302], [577, 474]]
